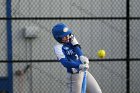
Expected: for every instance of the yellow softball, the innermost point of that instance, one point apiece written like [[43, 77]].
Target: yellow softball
[[101, 53]]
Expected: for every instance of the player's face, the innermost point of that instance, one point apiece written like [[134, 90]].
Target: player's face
[[66, 39]]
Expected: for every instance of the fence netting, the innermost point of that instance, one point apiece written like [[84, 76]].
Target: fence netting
[[51, 77], [69, 8], [97, 24], [2, 8], [91, 34]]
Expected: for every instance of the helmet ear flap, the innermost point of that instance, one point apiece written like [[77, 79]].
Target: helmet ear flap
[[59, 39]]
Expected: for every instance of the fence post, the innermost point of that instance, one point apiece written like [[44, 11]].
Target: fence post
[[127, 47], [9, 46]]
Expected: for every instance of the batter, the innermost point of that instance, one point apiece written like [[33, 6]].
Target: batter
[[69, 53]]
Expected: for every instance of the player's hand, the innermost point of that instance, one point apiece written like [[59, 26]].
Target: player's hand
[[84, 59], [74, 40], [83, 67]]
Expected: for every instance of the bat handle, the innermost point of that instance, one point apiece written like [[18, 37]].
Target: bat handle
[[85, 68]]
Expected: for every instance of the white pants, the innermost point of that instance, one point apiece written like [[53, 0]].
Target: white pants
[[74, 82]]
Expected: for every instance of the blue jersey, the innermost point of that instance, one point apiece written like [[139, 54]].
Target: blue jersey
[[68, 55]]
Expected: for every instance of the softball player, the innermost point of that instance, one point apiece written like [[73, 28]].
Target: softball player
[[71, 57]]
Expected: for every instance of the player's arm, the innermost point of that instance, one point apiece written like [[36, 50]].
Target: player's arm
[[76, 45], [62, 58], [78, 50]]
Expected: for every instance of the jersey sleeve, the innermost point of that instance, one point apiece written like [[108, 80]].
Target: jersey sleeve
[[78, 51], [59, 52], [62, 58], [69, 64]]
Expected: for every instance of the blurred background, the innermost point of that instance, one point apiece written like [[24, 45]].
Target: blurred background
[[27, 60]]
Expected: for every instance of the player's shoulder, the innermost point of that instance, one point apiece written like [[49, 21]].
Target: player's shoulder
[[58, 47], [58, 51]]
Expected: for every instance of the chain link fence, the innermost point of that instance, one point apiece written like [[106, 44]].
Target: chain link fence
[[97, 25], [3, 38], [46, 78], [134, 8], [134, 38], [134, 76], [69, 8], [106, 34], [3, 8]]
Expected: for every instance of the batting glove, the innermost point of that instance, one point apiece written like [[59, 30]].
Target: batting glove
[[74, 40], [84, 60], [83, 67]]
